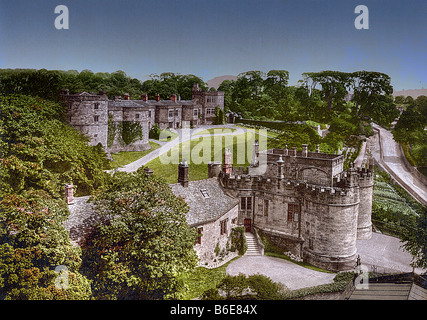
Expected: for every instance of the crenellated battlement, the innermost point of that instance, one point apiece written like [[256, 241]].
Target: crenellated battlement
[[318, 208]]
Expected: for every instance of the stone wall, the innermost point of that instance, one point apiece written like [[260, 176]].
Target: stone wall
[[211, 236]]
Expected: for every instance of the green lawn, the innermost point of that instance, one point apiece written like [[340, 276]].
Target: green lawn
[[199, 151], [201, 279], [218, 130], [167, 135], [124, 158]]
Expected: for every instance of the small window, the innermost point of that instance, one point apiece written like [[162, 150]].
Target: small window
[[293, 212], [199, 235], [205, 193], [96, 118], [137, 116], [223, 225], [170, 113], [96, 106]]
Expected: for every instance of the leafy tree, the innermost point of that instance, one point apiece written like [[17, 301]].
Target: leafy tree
[[145, 243], [33, 242], [41, 152], [415, 240]]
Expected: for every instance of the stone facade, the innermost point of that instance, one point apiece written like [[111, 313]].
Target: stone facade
[[95, 115], [305, 202], [211, 211]]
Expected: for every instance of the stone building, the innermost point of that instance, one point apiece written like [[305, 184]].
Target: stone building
[[211, 211], [102, 119], [304, 202]]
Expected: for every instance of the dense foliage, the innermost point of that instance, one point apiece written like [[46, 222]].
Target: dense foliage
[[409, 131], [320, 96], [33, 243], [144, 245], [39, 151], [48, 83]]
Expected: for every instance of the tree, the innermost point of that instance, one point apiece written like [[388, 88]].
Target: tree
[[276, 84], [33, 242], [415, 240], [145, 243], [368, 86]]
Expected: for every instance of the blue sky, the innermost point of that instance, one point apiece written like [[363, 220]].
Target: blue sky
[[210, 38]]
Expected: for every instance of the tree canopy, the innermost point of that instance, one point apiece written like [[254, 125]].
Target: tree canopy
[[145, 243]]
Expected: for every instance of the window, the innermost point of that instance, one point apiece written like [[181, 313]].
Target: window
[[95, 118], [96, 106], [199, 236], [195, 112], [137, 116], [223, 225], [245, 203], [210, 111], [266, 208], [149, 113], [176, 113], [293, 212], [170, 113], [205, 193]]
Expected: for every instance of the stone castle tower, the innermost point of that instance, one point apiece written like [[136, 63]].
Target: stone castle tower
[[305, 202]]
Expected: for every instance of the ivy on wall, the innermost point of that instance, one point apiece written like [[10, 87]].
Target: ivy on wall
[[130, 132]]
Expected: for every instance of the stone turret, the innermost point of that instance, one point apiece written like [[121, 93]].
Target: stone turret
[[183, 173], [227, 163]]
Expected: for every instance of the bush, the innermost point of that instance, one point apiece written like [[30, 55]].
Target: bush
[[238, 240]]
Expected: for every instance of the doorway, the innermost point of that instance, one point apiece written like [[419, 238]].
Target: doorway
[[248, 225]]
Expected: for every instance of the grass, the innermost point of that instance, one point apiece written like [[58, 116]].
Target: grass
[[199, 151], [201, 279], [167, 135], [218, 130], [125, 157]]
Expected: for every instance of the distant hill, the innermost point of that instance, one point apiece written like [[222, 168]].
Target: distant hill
[[215, 82], [414, 93]]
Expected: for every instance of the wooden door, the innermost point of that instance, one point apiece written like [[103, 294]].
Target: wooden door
[[247, 223]]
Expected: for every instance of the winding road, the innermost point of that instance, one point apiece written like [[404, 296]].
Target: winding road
[[388, 154]]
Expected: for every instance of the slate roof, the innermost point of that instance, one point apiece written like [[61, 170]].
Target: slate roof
[[406, 286], [141, 103], [204, 209]]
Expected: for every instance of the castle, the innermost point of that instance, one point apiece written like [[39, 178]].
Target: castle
[[102, 120], [304, 202]]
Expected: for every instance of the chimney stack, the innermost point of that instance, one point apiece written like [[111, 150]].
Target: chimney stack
[[183, 173], [157, 97], [126, 96], [317, 148], [173, 98], [144, 97], [280, 164], [226, 164]]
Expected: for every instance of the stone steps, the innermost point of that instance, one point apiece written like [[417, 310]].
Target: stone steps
[[253, 248]]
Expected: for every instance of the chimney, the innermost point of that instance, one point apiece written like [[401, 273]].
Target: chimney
[[183, 173], [295, 151], [69, 194], [304, 150], [286, 150], [157, 97], [317, 148], [126, 96], [173, 98], [196, 87], [144, 97], [255, 153], [226, 164]]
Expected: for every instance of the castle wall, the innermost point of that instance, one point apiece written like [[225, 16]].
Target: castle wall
[[314, 208], [364, 224]]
